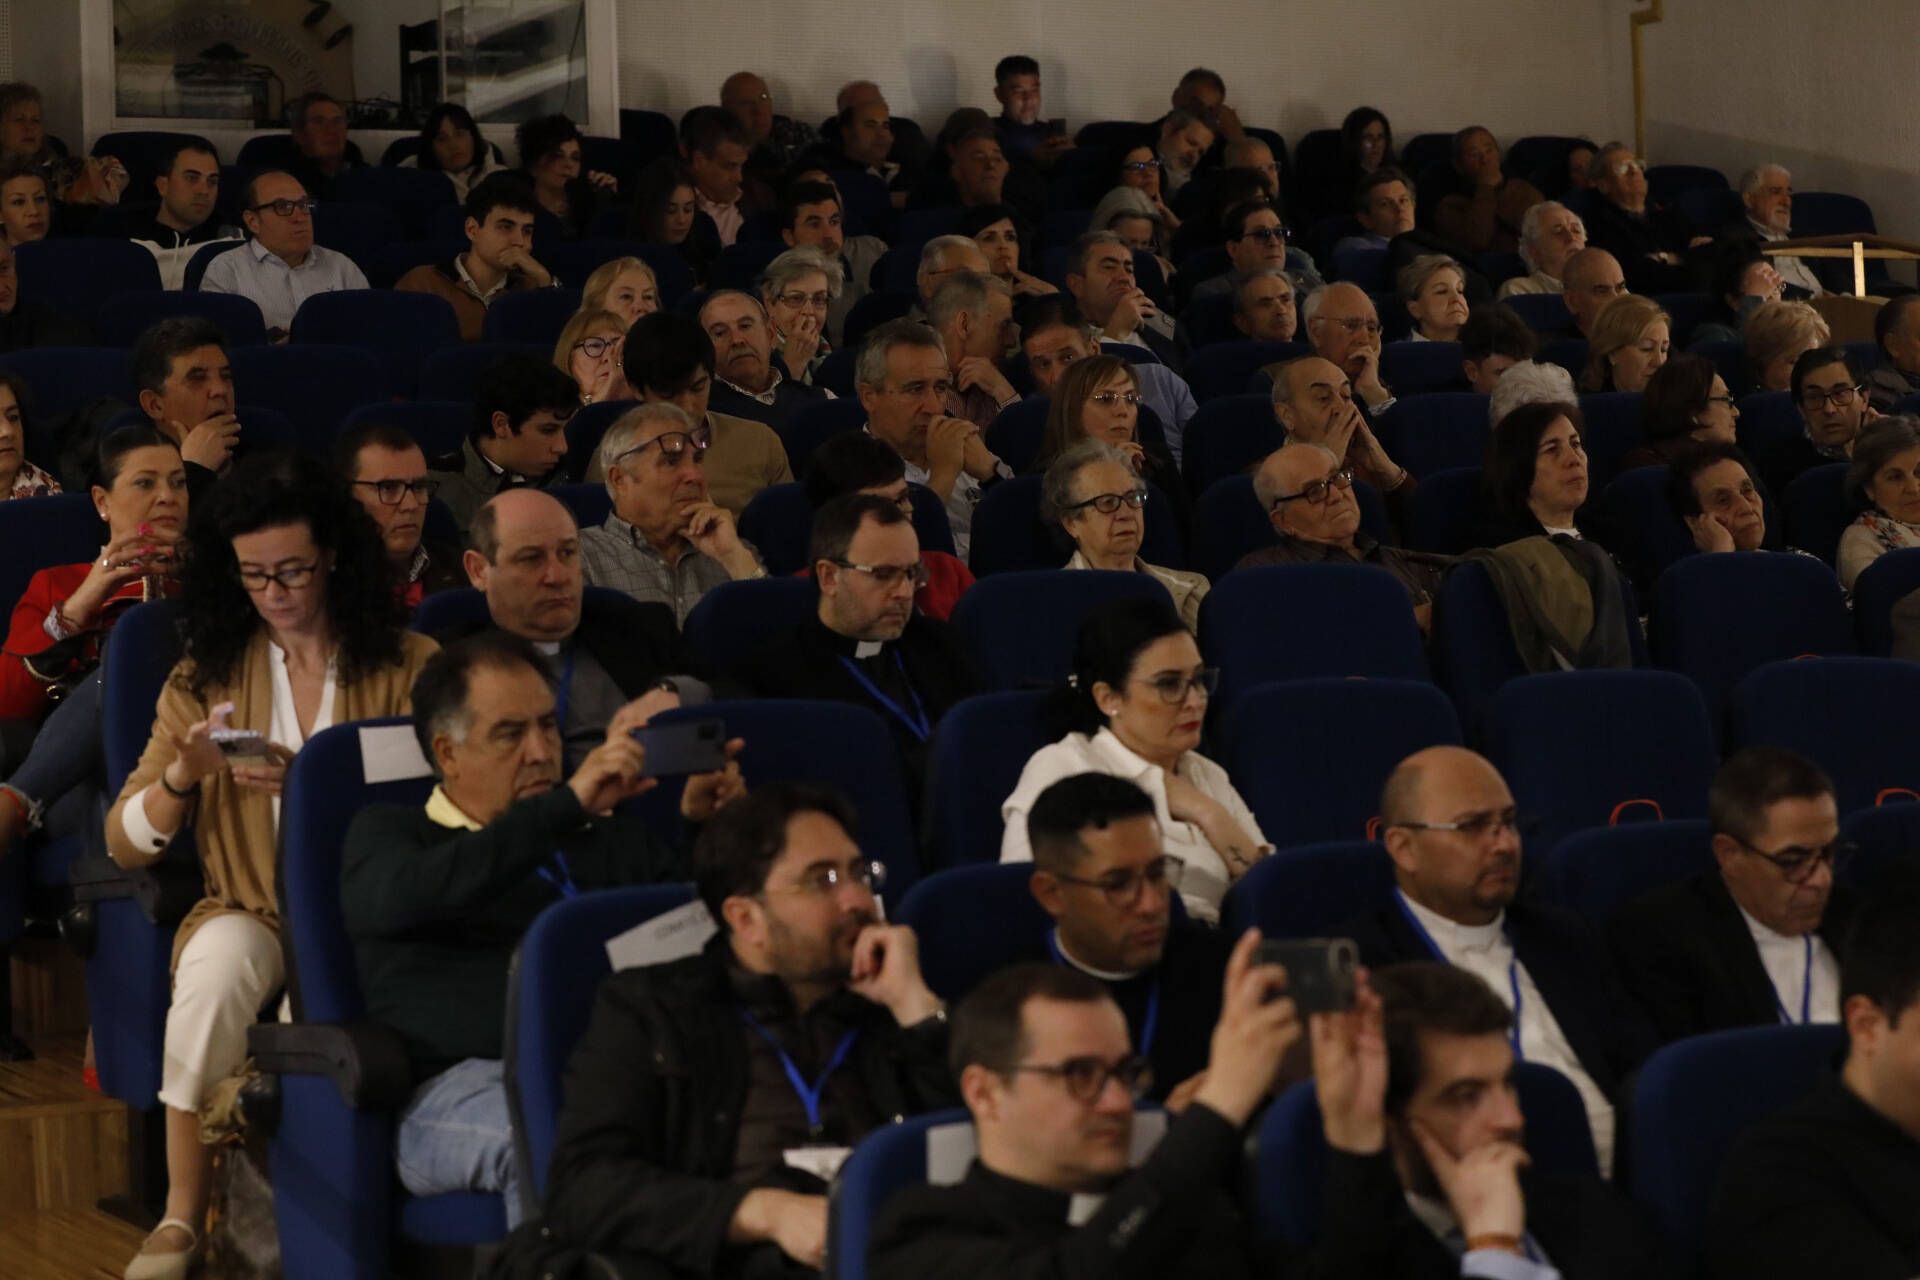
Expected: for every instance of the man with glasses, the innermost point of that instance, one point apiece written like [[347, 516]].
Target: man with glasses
[[973, 314], [813, 216], [1307, 496], [518, 438], [866, 643], [1101, 279], [908, 392], [1449, 825], [1590, 280], [1314, 402], [712, 1098], [855, 462], [437, 898], [279, 267], [387, 472], [1344, 328], [1257, 239], [1650, 240], [1830, 390], [1756, 940], [499, 257], [665, 540], [748, 384]]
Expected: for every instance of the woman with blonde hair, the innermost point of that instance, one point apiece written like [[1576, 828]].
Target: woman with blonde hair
[[1434, 287], [626, 286], [1778, 334], [1630, 341], [589, 352]]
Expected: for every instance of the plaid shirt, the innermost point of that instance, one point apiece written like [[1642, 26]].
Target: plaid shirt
[[618, 555]]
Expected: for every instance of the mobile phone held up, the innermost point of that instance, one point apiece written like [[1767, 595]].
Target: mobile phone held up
[[686, 746], [241, 746], [1320, 971]]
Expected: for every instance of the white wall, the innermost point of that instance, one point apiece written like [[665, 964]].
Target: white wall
[[1517, 66]]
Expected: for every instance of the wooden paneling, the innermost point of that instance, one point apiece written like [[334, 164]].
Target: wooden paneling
[[65, 1146]]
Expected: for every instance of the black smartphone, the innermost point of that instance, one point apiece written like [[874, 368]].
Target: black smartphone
[[687, 746], [1320, 971]]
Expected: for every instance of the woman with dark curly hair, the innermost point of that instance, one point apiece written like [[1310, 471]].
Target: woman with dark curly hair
[[550, 156], [291, 626], [667, 211]]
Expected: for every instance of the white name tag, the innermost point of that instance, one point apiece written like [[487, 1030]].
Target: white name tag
[[677, 934], [391, 753], [821, 1162]]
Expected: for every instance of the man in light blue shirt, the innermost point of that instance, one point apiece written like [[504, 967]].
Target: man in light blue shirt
[[280, 267]]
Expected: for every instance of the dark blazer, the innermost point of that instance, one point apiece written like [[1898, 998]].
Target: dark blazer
[[634, 642], [1567, 962], [1632, 239], [1686, 955]]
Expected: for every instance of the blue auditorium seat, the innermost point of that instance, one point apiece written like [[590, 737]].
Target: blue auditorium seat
[[888, 1159], [410, 195], [1768, 419], [39, 533], [1666, 182], [875, 310], [589, 503], [1613, 429], [1228, 436], [315, 386], [1819, 510], [1710, 209], [534, 316], [1010, 537], [1436, 432], [399, 329], [742, 263], [836, 374], [61, 379], [1016, 432], [1224, 369], [1422, 368], [1593, 873], [356, 230], [76, 275], [1358, 265], [1447, 511], [585, 428], [972, 921], [1651, 534], [978, 751], [1569, 353], [439, 427], [123, 317], [1881, 586], [1730, 362], [1830, 213], [1545, 313], [813, 423], [1886, 844], [1834, 712], [1254, 626], [1687, 311], [1308, 890], [1021, 627], [735, 618]]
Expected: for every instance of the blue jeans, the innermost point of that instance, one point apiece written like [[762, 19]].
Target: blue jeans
[[65, 756], [455, 1135]]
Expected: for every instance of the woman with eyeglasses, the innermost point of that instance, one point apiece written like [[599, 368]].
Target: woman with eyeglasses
[[588, 351], [1686, 402], [1093, 494], [1099, 398], [1140, 170], [1884, 479], [291, 625], [1134, 707], [798, 289]]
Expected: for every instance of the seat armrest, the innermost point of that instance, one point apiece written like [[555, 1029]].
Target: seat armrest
[[366, 1062]]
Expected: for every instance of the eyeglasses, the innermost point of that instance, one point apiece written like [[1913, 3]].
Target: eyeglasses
[[1267, 235], [1108, 503], [287, 208], [1622, 168], [1478, 826], [1796, 863], [1108, 399], [1353, 324], [391, 491], [1839, 397], [1317, 491], [818, 301], [597, 347], [1141, 166], [291, 578], [919, 390], [673, 444], [1122, 888], [818, 882], [1725, 400], [1173, 689], [888, 576], [1086, 1078]]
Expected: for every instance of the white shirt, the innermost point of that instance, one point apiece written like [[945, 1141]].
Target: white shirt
[[1204, 882], [960, 503], [726, 217], [1784, 957], [276, 288], [1794, 271], [1485, 951]]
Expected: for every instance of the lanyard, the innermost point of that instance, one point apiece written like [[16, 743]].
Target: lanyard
[[809, 1094], [559, 875], [1152, 1022], [1433, 949], [564, 694], [1806, 991], [917, 723]]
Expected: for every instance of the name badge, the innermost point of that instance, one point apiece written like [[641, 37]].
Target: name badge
[[821, 1162]]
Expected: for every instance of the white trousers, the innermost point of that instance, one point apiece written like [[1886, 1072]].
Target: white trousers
[[229, 968]]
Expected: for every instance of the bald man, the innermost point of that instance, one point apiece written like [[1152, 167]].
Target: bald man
[[777, 140], [941, 257], [1592, 278], [1315, 402], [1448, 821], [1344, 327], [606, 649]]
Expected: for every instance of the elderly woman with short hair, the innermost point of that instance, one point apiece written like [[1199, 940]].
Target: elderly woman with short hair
[[1434, 288], [797, 288], [1092, 493], [1884, 478]]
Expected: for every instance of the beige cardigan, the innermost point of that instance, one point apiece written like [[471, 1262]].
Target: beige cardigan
[[233, 826]]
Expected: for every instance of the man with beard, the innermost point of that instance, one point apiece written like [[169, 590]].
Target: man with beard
[[188, 187], [746, 383], [1448, 821], [712, 1098], [1766, 192], [437, 898]]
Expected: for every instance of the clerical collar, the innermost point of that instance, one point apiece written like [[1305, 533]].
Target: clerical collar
[[869, 648], [548, 647], [1061, 946]]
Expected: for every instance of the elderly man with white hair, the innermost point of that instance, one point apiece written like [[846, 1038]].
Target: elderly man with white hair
[[1529, 382], [1550, 233], [1344, 327], [941, 257], [1767, 192], [798, 290]]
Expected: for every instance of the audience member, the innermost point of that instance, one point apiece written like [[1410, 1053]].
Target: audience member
[[1831, 395], [908, 394], [1715, 490], [1256, 238], [1183, 140], [1777, 334], [1099, 399], [1896, 331], [1306, 493], [1314, 402], [324, 152], [868, 144], [854, 462], [997, 229], [709, 1162], [1093, 493], [450, 144], [625, 286], [1592, 278], [1202, 94], [188, 185], [184, 383], [1550, 233], [1536, 474], [1766, 192], [1884, 479], [1484, 209], [589, 351], [1649, 240], [1825, 1185], [499, 257], [27, 211], [19, 478], [715, 148], [1740, 284], [1053, 335], [1100, 278], [666, 212], [1756, 940], [280, 266], [291, 626], [1434, 288], [665, 540], [973, 314], [1627, 345], [27, 322], [73, 180], [1383, 205], [812, 216], [977, 173], [940, 258], [1493, 340], [746, 383], [777, 141], [1448, 821], [1140, 170], [1344, 329], [521, 406], [1529, 382], [387, 471], [1023, 134], [1365, 148], [436, 898], [1263, 305], [1134, 709], [549, 150], [799, 289], [1685, 402]]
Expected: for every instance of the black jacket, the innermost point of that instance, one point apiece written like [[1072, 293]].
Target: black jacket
[[1170, 1218], [636, 643], [436, 912], [1632, 239], [1686, 956], [1567, 962], [34, 324], [788, 398], [1790, 456], [643, 1164], [1826, 1187]]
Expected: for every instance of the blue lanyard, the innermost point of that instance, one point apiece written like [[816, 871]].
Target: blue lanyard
[[1147, 1027], [809, 1094], [563, 695], [559, 875], [1806, 991], [1433, 949], [917, 723]]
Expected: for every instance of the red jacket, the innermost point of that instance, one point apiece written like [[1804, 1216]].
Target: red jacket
[[947, 580], [24, 678]]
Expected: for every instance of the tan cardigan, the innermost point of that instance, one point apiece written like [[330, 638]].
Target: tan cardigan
[[233, 826]]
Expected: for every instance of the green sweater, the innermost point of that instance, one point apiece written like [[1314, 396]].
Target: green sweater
[[435, 912]]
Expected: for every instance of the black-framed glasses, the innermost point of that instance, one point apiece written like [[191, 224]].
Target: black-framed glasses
[[796, 299], [673, 445], [597, 347], [391, 491], [1141, 166], [286, 208], [1478, 826], [291, 578], [1108, 399], [1796, 863], [1725, 400], [1122, 888], [819, 881], [1086, 1078], [1839, 397], [1267, 235], [1317, 491], [1173, 688], [1108, 503], [889, 576]]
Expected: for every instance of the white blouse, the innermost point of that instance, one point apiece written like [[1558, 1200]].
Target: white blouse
[[1205, 881]]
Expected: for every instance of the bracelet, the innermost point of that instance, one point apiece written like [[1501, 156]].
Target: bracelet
[[168, 787], [1494, 1240]]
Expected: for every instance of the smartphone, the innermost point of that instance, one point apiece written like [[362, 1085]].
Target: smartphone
[[1320, 971], [689, 746], [241, 746]]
